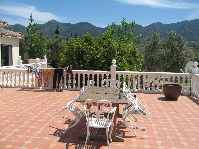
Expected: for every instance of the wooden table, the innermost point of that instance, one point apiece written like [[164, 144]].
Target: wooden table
[[113, 94]]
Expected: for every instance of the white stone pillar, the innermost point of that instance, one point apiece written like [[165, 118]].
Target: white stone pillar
[[113, 73], [19, 60], [20, 64], [45, 60]]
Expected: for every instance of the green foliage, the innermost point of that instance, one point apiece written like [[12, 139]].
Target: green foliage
[[57, 30], [55, 46], [196, 55], [35, 41], [194, 46], [153, 53], [176, 54], [118, 42], [97, 53], [165, 54], [22, 49]]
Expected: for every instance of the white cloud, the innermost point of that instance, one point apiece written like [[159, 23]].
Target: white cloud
[[162, 3], [22, 12]]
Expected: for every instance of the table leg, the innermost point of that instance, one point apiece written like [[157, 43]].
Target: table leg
[[115, 137]]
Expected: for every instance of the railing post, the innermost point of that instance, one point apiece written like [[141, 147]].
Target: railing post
[[19, 60], [113, 72], [20, 64], [45, 60], [37, 66]]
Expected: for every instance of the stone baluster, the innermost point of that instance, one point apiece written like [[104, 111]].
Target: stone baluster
[[113, 72]]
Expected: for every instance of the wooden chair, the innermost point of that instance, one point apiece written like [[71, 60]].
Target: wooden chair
[[99, 114]]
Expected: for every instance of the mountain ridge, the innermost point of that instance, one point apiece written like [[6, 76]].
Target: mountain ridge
[[188, 29]]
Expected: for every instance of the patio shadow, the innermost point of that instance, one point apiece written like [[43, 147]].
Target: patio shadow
[[72, 134], [75, 135], [164, 99], [194, 99]]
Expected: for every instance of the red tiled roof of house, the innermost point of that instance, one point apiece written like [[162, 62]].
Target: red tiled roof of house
[[3, 23], [8, 33], [5, 32]]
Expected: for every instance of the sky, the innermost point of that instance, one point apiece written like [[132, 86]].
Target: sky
[[100, 13]]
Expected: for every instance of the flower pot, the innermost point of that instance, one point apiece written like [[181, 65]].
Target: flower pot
[[172, 91]]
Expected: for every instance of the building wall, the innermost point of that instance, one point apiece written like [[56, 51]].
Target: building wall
[[15, 47]]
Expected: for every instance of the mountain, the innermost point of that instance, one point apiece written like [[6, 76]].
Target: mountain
[[188, 29]]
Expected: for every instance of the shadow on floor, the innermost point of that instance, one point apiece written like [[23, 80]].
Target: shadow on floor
[[40, 90], [73, 136], [194, 99], [164, 99]]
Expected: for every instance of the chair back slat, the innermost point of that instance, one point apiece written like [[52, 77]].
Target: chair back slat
[[99, 111]]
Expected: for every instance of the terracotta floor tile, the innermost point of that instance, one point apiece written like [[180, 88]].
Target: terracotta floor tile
[[192, 145], [25, 122], [179, 145], [167, 144]]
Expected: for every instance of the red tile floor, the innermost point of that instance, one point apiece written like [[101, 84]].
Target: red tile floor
[[25, 122]]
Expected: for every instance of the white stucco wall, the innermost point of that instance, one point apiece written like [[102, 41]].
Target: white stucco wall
[[15, 47]]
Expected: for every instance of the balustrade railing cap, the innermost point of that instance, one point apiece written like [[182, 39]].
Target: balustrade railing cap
[[113, 62]]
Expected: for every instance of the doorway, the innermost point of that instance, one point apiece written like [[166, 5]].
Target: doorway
[[6, 55]]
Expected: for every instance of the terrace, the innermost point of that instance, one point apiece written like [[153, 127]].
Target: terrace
[[25, 121]]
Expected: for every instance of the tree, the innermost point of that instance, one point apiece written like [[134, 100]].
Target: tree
[[166, 54], [55, 46], [196, 55], [57, 30], [35, 41], [22, 49], [153, 53], [118, 42]]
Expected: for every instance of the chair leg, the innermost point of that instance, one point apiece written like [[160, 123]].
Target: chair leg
[[107, 136], [124, 121], [132, 122], [87, 136], [111, 129]]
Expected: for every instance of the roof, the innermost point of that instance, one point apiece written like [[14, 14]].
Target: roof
[[3, 23], [8, 33]]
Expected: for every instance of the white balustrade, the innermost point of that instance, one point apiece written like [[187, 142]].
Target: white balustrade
[[145, 82], [17, 78]]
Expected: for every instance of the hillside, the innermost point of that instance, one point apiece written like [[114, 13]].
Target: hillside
[[188, 29]]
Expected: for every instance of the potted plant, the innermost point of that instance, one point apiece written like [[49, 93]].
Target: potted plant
[[172, 91]]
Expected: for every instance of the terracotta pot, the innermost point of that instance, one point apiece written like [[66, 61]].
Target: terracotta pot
[[172, 91]]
